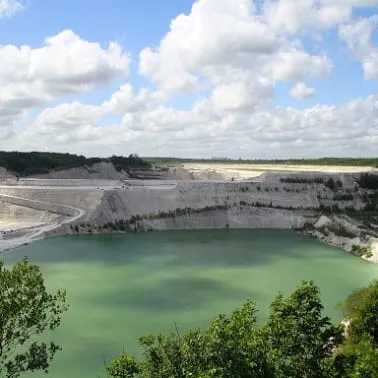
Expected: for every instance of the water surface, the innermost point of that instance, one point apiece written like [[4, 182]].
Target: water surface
[[123, 286]]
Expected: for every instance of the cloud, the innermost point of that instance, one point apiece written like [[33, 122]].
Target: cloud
[[293, 64], [358, 36], [9, 7], [66, 64], [209, 128], [229, 55], [293, 16], [301, 91], [225, 35], [125, 100]]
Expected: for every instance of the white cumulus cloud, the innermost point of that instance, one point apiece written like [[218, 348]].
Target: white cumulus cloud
[[358, 35], [293, 16], [225, 35], [301, 91], [9, 7], [64, 65], [227, 56]]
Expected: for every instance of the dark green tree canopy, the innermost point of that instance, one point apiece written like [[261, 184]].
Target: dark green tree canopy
[[26, 311], [297, 341], [31, 163], [293, 343]]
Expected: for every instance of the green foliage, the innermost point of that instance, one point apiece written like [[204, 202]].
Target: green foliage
[[26, 311], [328, 210], [333, 184], [368, 181], [371, 201], [31, 163], [123, 367], [353, 301], [361, 251], [231, 346], [360, 352], [362, 310], [341, 231], [298, 334], [125, 163], [343, 197], [293, 343], [361, 360], [302, 180], [308, 227]]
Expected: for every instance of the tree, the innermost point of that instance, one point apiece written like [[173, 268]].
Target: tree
[[360, 360], [26, 311], [123, 367], [361, 309], [301, 338], [360, 352], [232, 346], [293, 343]]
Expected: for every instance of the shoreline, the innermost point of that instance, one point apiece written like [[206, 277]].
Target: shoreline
[[337, 209], [344, 244]]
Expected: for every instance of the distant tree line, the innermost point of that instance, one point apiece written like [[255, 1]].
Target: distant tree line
[[132, 161], [31, 163], [367, 162]]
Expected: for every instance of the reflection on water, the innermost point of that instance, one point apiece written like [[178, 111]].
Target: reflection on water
[[123, 286]]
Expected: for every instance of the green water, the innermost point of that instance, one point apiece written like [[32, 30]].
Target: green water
[[123, 286]]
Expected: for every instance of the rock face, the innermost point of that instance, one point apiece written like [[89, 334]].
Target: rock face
[[103, 170], [324, 205], [14, 216], [234, 217], [197, 195], [5, 175]]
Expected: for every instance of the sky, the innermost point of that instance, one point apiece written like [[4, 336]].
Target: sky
[[184, 78]]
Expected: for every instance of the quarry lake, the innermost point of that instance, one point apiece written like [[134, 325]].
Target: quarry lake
[[120, 287]]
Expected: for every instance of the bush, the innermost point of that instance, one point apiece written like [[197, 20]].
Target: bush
[[361, 251], [341, 231], [368, 181], [292, 343], [361, 308]]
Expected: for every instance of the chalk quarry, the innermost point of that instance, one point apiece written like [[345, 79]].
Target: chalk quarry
[[328, 205]]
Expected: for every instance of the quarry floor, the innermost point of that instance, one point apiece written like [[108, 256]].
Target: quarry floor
[[244, 171]]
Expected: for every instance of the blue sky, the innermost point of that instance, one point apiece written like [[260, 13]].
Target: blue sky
[[203, 87]]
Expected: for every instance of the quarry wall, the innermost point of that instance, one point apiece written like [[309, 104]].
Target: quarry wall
[[270, 201], [39, 205], [102, 170], [122, 204]]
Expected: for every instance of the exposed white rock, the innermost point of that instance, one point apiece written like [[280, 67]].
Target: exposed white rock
[[322, 221], [374, 250], [103, 170], [4, 174], [267, 201]]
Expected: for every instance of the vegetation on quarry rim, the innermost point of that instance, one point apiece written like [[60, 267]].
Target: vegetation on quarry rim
[[31, 163]]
